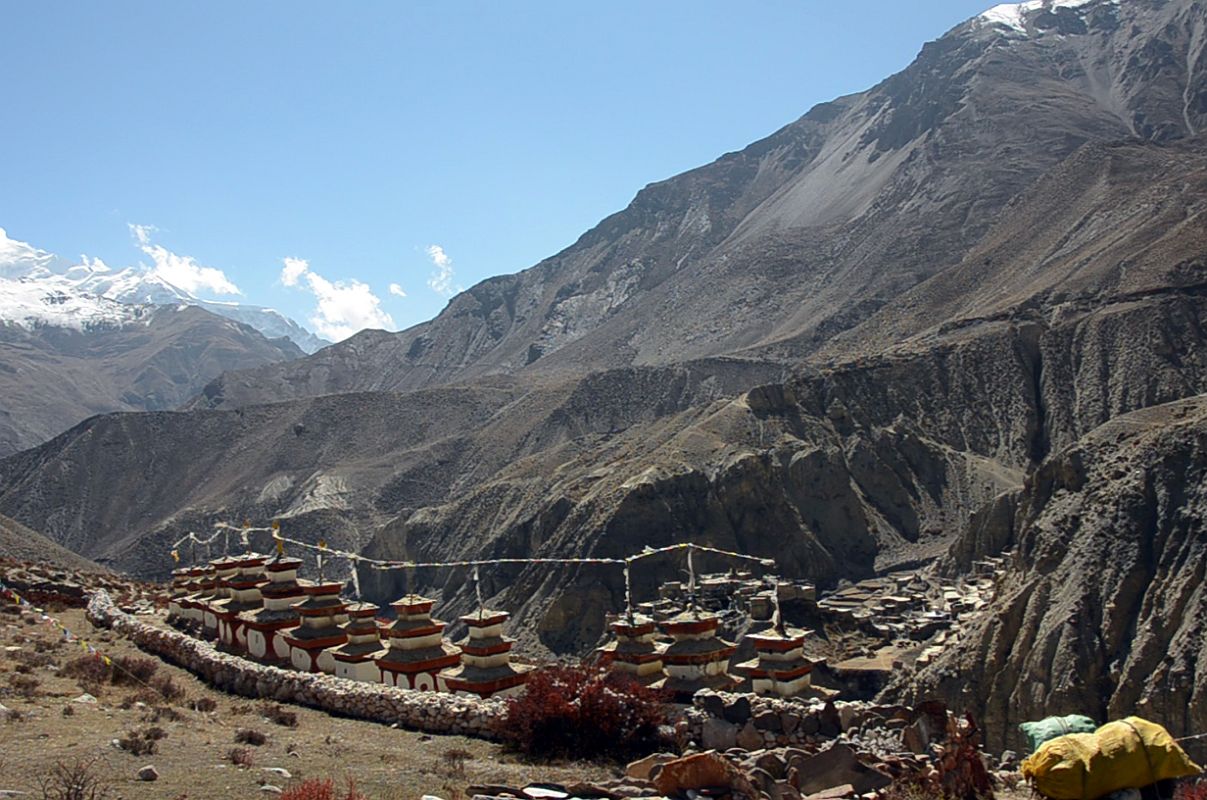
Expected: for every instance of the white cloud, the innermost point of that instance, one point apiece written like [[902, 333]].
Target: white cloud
[[142, 232], [441, 279], [343, 307], [395, 289], [181, 271], [19, 259], [294, 269]]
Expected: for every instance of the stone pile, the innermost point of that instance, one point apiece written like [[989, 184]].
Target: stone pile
[[851, 750], [826, 749], [834, 772], [424, 711]]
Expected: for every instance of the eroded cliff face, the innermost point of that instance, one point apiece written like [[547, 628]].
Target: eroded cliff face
[[756, 474], [831, 473], [1104, 609]]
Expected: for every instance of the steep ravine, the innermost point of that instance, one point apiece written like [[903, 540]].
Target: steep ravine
[[1105, 608]]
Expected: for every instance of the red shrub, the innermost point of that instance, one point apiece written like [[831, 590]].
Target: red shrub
[[1191, 789], [315, 789], [583, 712]]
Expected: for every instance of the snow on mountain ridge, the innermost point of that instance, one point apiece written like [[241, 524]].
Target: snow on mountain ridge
[[1013, 15], [34, 301], [40, 288]]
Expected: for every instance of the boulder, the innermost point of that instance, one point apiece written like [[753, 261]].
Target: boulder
[[784, 791], [705, 770], [837, 766], [749, 737], [590, 791], [762, 780], [712, 703], [768, 721], [545, 791], [641, 769], [915, 737], [835, 793], [148, 773], [772, 764], [718, 734], [850, 716], [738, 712], [828, 721]]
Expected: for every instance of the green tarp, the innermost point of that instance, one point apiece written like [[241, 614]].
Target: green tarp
[[1047, 729]]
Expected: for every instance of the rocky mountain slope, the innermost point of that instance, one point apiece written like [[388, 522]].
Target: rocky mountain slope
[[847, 346], [20, 543], [1105, 607], [51, 377], [775, 249]]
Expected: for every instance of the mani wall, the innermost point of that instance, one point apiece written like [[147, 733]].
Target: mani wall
[[431, 712]]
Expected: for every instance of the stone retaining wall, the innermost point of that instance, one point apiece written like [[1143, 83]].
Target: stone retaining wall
[[431, 712]]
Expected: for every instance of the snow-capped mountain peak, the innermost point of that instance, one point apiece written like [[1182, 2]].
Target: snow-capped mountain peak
[[40, 288], [48, 299]]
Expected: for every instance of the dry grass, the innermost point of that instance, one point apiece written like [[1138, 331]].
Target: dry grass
[[194, 759]]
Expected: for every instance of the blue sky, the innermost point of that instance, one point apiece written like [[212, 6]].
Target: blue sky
[[353, 139]]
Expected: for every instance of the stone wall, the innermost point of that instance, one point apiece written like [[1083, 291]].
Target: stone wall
[[432, 712], [722, 720]]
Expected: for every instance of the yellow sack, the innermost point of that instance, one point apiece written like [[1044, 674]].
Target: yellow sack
[[1127, 754]]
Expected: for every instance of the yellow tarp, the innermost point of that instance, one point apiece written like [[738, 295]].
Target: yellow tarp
[[1127, 754]]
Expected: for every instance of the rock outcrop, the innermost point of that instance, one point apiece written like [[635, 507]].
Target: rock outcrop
[[1104, 611]]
